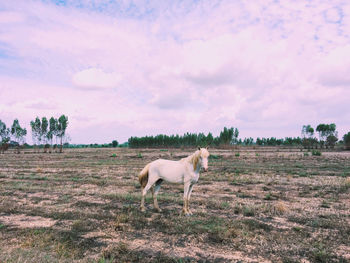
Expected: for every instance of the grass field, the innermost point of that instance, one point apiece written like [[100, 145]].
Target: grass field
[[253, 205]]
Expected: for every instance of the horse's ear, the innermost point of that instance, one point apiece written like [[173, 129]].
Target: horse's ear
[[207, 147], [199, 148]]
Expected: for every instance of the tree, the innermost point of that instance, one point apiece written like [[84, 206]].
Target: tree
[[210, 139], [227, 136], [307, 134], [201, 140], [18, 133], [307, 131], [53, 130], [235, 136], [331, 140], [36, 126], [44, 131], [114, 143], [248, 141], [332, 135], [346, 139], [321, 129], [326, 131], [61, 129], [4, 133], [4, 136]]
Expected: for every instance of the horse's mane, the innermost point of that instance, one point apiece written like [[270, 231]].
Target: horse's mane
[[193, 159]]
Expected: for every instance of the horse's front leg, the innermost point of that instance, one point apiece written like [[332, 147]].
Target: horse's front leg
[[186, 190], [188, 199]]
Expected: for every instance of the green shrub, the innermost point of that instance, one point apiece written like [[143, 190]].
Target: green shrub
[[237, 154], [316, 153]]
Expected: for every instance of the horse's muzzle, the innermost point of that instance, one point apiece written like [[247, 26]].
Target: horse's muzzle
[[205, 169]]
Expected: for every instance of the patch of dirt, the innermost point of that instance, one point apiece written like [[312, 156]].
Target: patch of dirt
[[25, 221]]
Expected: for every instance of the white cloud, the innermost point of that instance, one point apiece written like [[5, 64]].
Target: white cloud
[[94, 78]]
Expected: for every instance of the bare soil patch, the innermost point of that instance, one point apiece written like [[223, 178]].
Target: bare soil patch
[[25, 221]]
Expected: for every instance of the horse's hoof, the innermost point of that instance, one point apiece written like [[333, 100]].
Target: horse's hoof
[[143, 209], [158, 210], [186, 213]]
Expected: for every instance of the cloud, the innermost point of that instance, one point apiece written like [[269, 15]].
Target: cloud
[[40, 105], [334, 70], [8, 17], [94, 78], [334, 15], [175, 66]]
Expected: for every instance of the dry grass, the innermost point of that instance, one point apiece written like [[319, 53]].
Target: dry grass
[[265, 205]]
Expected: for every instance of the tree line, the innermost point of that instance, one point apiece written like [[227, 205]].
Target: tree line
[[328, 137], [227, 137], [187, 140], [50, 133], [44, 132]]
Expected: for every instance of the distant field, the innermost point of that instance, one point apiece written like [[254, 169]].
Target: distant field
[[254, 205]]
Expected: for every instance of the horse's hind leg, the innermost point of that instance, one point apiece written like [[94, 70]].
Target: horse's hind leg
[[144, 191], [155, 191], [143, 209]]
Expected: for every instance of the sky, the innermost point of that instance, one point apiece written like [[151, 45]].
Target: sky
[[133, 68]]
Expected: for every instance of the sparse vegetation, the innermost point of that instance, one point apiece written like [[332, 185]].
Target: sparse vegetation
[[83, 206]]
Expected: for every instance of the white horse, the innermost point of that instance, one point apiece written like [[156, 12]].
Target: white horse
[[184, 171]]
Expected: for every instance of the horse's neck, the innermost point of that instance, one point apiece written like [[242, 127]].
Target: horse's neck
[[194, 161]]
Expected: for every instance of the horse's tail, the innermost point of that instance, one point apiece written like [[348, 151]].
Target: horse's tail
[[143, 176]]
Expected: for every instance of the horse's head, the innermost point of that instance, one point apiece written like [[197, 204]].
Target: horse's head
[[203, 157]]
